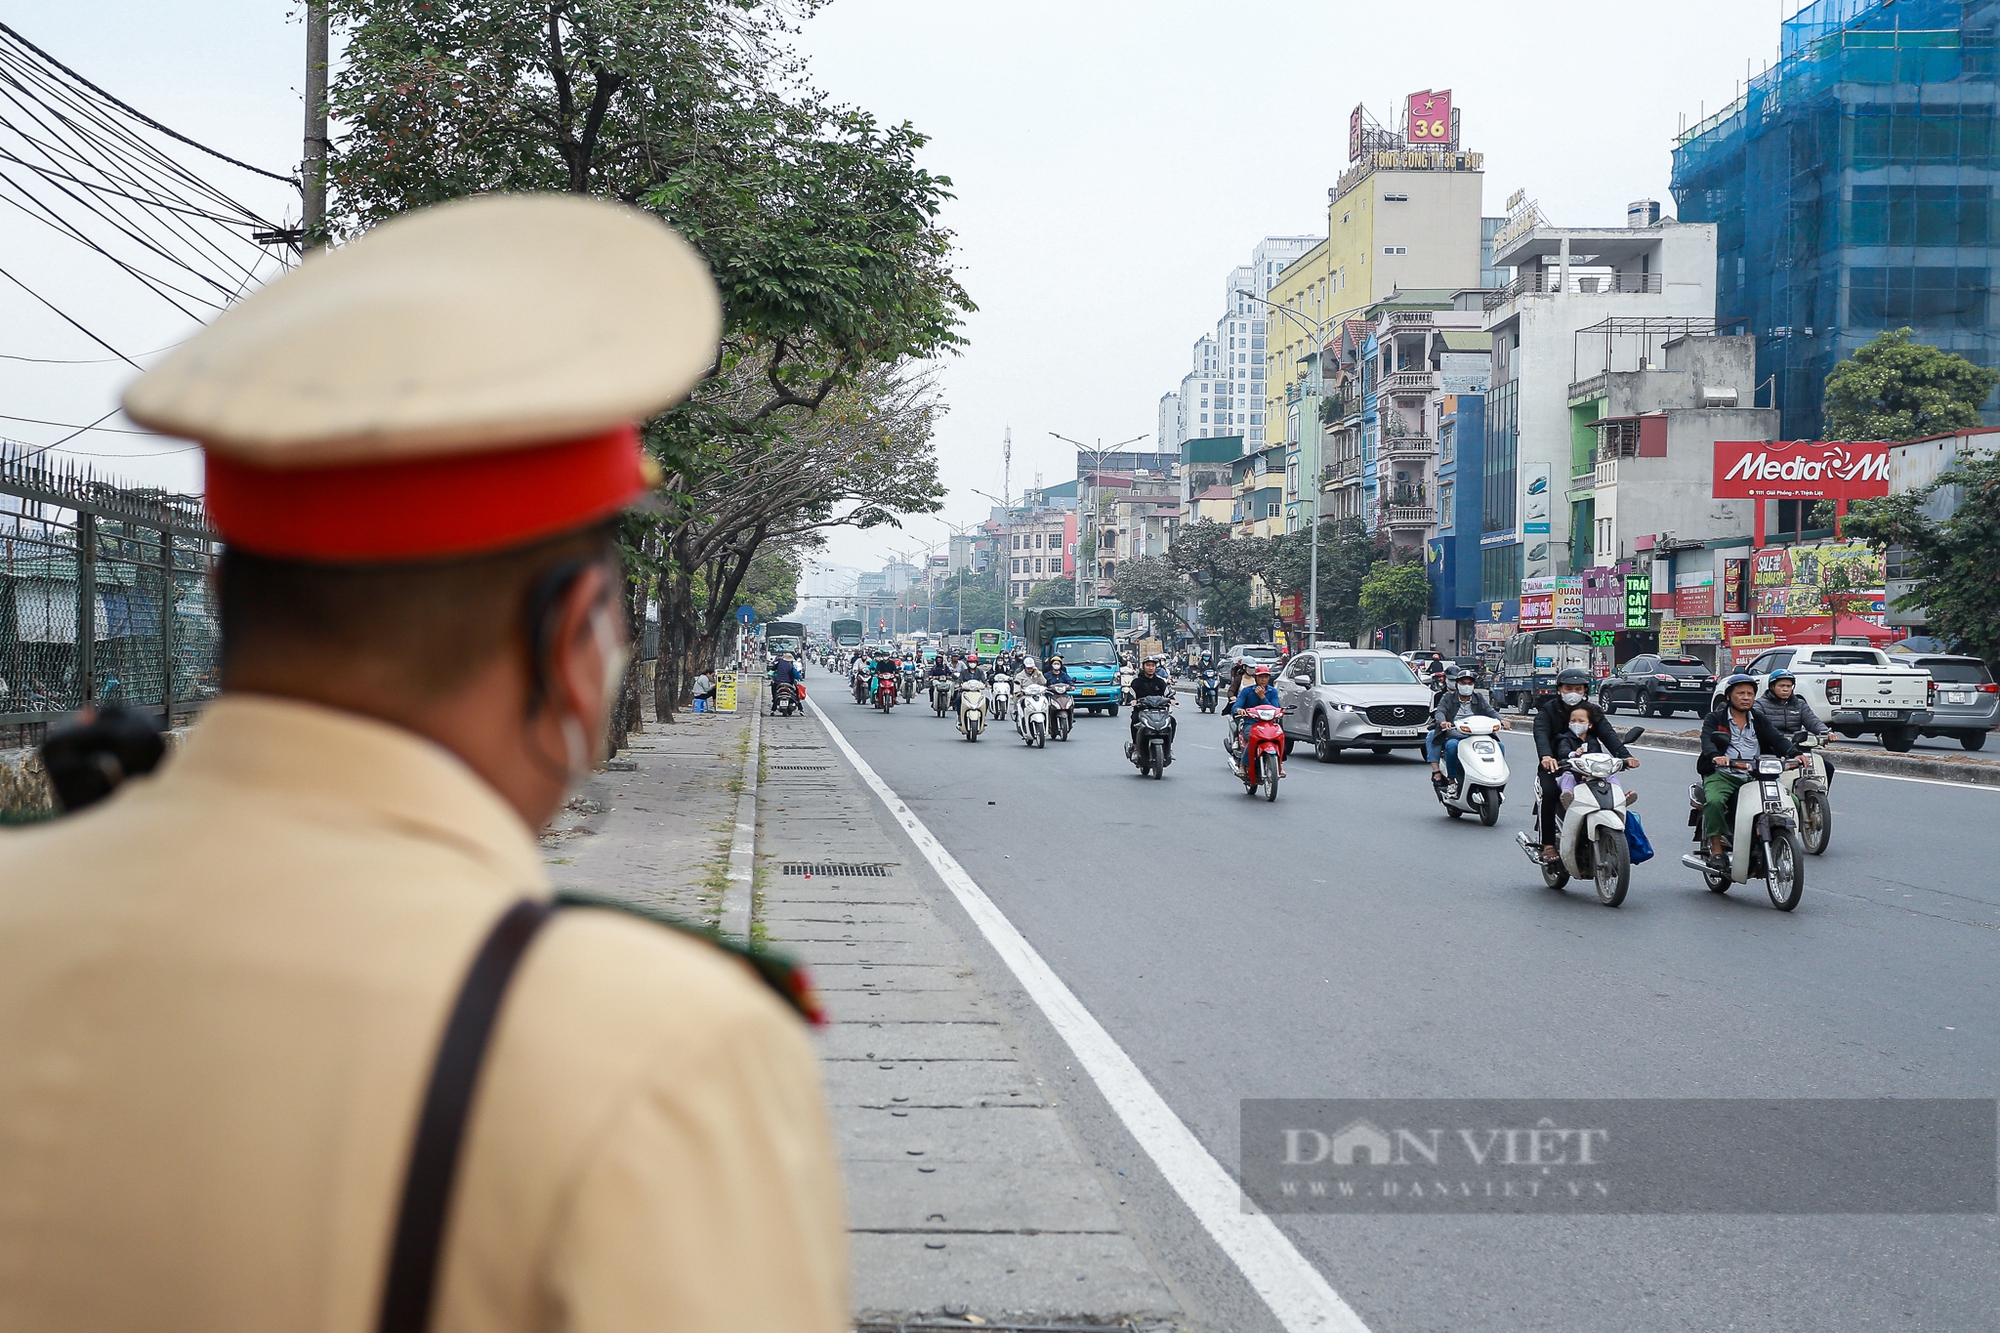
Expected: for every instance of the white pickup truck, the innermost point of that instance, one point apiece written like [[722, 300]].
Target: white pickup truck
[[1854, 690]]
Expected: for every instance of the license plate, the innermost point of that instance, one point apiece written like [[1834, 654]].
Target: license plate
[[1881, 712], [1957, 697], [1402, 731], [1090, 691]]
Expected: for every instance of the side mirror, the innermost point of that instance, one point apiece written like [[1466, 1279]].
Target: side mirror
[[1634, 734]]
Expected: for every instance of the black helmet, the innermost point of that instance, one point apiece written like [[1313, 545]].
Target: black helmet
[[1458, 673], [1574, 676]]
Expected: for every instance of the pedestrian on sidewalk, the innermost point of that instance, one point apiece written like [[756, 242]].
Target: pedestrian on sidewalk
[[704, 691], [236, 988]]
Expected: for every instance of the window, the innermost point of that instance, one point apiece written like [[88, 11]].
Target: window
[[1395, 199], [1445, 490], [1038, 541], [1204, 415], [1923, 297], [1918, 215], [1500, 572], [1038, 564], [1446, 446], [1271, 509]]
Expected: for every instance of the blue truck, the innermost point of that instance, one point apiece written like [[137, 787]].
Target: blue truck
[[1082, 637]]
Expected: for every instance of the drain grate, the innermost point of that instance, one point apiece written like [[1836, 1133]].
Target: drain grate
[[799, 768], [812, 868]]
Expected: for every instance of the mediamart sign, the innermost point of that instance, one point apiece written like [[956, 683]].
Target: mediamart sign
[[1799, 470]]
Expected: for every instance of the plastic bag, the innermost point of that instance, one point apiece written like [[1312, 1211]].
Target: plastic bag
[[1635, 833]]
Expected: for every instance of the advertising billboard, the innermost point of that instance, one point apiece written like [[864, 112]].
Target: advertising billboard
[[1603, 599], [1567, 605], [1537, 603], [1694, 594], [1799, 470], [1638, 601], [1430, 119], [1354, 123]]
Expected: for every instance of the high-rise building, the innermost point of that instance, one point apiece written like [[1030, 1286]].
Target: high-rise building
[[1223, 391], [1853, 188], [1170, 432]]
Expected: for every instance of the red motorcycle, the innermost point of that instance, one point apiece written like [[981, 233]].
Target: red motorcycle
[[1261, 760], [886, 690]]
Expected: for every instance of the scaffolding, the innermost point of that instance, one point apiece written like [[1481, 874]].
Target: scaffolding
[[1852, 190]]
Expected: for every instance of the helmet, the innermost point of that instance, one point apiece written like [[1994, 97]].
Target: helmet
[[1458, 673], [1574, 676], [1262, 669], [1740, 678], [1782, 673], [1056, 661]]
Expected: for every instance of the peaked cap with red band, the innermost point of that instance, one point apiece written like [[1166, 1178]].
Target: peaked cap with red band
[[462, 379]]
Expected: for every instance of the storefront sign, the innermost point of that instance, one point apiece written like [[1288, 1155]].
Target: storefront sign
[[1735, 592], [1798, 580], [1753, 641], [1492, 633], [1670, 637], [1465, 372], [1638, 601], [1538, 603], [725, 691], [1603, 599], [1799, 470], [1568, 602], [1701, 629], [1694, 594]]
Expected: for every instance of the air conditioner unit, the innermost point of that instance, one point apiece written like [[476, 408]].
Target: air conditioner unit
[[1717, 395]]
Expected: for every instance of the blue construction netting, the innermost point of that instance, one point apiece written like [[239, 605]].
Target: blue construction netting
[[1852, 187]]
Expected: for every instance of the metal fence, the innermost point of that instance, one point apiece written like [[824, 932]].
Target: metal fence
[[104, 597]]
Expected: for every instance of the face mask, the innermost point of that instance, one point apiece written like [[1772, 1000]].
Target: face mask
[[578, 751], [1465, 691], [1571, 698], [1579, 728]]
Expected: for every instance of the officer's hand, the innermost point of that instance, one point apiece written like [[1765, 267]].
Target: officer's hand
[[1632, 761], [1549, 763]]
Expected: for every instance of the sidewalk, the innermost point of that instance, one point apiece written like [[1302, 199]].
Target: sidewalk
[[969, 1204]]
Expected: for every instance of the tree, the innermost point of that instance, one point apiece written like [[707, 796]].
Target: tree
[[1895, 389], [1152, 585], [1226, 609], [1396, 594], [1055, 592], [770, 585], [1951, 562]]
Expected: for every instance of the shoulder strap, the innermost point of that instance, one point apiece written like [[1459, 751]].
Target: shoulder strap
[[408, 1293]]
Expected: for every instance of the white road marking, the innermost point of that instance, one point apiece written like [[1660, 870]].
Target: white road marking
[[1295, 1291], [1854, 773]]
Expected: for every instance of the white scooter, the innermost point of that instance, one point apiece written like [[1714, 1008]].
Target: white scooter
[[1765, 843], [1031, 718], [1003, 691], [1484, 763], [971, 708], [1807, 785], [941, 694], [1126, 675], [1592, 840]]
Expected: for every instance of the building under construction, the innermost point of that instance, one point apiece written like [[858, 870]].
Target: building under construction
[[1852, 187]]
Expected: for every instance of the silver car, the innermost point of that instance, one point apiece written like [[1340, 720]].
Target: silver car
[[1968, 703], [1339, 698]]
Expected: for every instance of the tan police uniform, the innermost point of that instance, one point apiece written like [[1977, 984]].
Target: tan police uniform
[[222, 989]]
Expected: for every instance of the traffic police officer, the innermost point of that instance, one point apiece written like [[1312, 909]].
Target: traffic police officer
[[223, 990]]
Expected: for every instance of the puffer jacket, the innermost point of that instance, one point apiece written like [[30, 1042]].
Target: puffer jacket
[[1789, 716]]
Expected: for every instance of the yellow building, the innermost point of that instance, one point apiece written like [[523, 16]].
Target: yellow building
[[1397, 220]]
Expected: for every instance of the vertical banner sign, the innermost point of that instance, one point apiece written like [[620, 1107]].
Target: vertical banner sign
[[1638, 601], [1354, 133], [1430, 119], [1670, 637], [1537, 603], [725, 691], [1735, 588], [1568, 602]]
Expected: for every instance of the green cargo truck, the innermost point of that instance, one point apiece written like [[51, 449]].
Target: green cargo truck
[[1082, 637]]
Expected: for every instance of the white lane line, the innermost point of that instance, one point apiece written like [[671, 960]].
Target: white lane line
[[1298, 1295], [1856, 773], [740, 884]]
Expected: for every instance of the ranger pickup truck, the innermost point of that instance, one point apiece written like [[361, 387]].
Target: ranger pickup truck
[[1855, 690]]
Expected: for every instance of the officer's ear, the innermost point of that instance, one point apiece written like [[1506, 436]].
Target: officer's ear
[[566, 615]]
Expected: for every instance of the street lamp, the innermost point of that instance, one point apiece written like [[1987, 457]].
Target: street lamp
[[1097, 454], [1317, 333]]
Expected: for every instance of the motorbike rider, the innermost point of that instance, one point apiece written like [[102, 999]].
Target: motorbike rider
[[1261, 692], [1553, 720], [1150, 683], [1460, 701], [1057, 673], [1731, 739], [1790, 712], [785, 671]]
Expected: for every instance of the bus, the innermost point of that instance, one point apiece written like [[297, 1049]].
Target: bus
[[988, 644], [784, 636], [846, 634]]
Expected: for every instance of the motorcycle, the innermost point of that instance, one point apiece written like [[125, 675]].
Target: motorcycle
[[1764, 841], [1153, 723], [885, 691], [1483, 764], [1062, 711], [1258, 761], [1206, 691], [1003, 690], [861, 682], [784, 699], [1031, 719], [909, 685], [1126, 675], [941, 694], [1811, 790], [1592, 838], [972, 708]]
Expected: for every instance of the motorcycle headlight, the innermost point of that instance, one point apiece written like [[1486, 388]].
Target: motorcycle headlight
[[1769, 766]]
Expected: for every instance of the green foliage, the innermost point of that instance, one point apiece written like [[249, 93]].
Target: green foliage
[[1952, 563], [1394, 594], [1895, 389], [770, 585], [1055, 592], [1226, 609], [1152, 585]]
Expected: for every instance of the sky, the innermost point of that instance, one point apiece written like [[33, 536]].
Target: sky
[[1111, 161]]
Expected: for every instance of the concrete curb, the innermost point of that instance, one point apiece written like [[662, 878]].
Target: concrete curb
[[1970, 773], [739, 894]]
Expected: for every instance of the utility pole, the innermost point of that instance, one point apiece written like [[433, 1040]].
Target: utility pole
[[312, 172]]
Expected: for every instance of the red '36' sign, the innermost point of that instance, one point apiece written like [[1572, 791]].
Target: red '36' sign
[[1799, 470]]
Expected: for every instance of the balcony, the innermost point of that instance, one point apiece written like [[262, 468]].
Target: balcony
[[1397, 319], [1607, 473], [1341, 472], [1543, 282], [1406, 448], [1410, 383], [1404, 518]]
